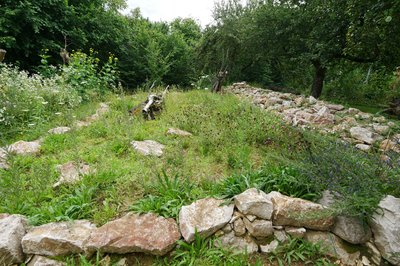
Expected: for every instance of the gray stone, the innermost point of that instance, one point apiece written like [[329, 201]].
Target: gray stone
[[3, 159], [259, 228], [237, 244], [363, 147], [148, 147], [382, 130], [254, 202], [57, 239], [43, 261], [12, 230], [312, 100], [385, 225], [280, 235], [269, 248], [206, 216], [59, 130], [373, 253], [239, 227], [72, 172], [25, 147], [146, 233], [363, 134], [352, 229], [178, 132], [300, 213], [297, 232], [334, 246], [335, 107]]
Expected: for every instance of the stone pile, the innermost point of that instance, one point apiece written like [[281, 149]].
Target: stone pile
[[253, 222], [352, 125]]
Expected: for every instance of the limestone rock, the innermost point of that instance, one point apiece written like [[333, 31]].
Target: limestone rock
[[254, 202], [281, 236], [259, 228], [72, 172], [237, 244], [300, 213], [178, 132], [334, 246], [25, 147], [12, 230], [297, 232], [374, 254], [363, 147], [336, 107], [269, 248], [148, 147], [362, 134], [385, 225], [43, 261], [146, 233], [312, 100], [352, 229], [239, 227], [206, 216], [57, 239], [59, 130], [382, 130]]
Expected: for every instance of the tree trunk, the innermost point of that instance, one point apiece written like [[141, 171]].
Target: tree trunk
[[319, 77]]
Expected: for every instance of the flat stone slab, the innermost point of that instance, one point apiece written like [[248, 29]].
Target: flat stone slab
[[58, 239], [12, 230], [59, 130], [148, 147], [363, 134], [25, 147], [254, 202], [205, 216], [300, 213], [178, 132], [146, 233], [72, 172]]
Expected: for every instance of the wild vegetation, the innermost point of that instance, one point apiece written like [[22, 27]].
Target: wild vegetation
[[351, 49]]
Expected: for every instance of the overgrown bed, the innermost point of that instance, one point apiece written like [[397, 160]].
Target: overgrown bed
[[234, 146]]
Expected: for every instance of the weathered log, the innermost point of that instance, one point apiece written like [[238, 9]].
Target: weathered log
[[2, 54], [151, 107]]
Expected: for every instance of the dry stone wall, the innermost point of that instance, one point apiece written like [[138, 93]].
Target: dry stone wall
[[252, 222], [352, 125]]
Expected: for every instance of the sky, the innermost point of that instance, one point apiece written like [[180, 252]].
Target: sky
[[167, 10]]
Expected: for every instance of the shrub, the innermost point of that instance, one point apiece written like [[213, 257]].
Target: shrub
[[26, 101]]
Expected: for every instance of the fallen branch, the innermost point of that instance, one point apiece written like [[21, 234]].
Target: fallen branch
[[152, 106]]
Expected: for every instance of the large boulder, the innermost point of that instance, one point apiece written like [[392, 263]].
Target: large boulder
[[146, 233], [385, 225], [334, 246], [300, 213], [237, 244], [205, 216], [148, 147], [254, 202], [57, 239], [12, 230]]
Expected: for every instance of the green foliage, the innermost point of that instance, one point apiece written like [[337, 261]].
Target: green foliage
[[27, 101], [167, 196], [297, 250], [204, 252], [286, 180], [85, 75], [359, 180]]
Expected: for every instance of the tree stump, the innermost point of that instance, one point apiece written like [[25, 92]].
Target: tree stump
[[151, 107]]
